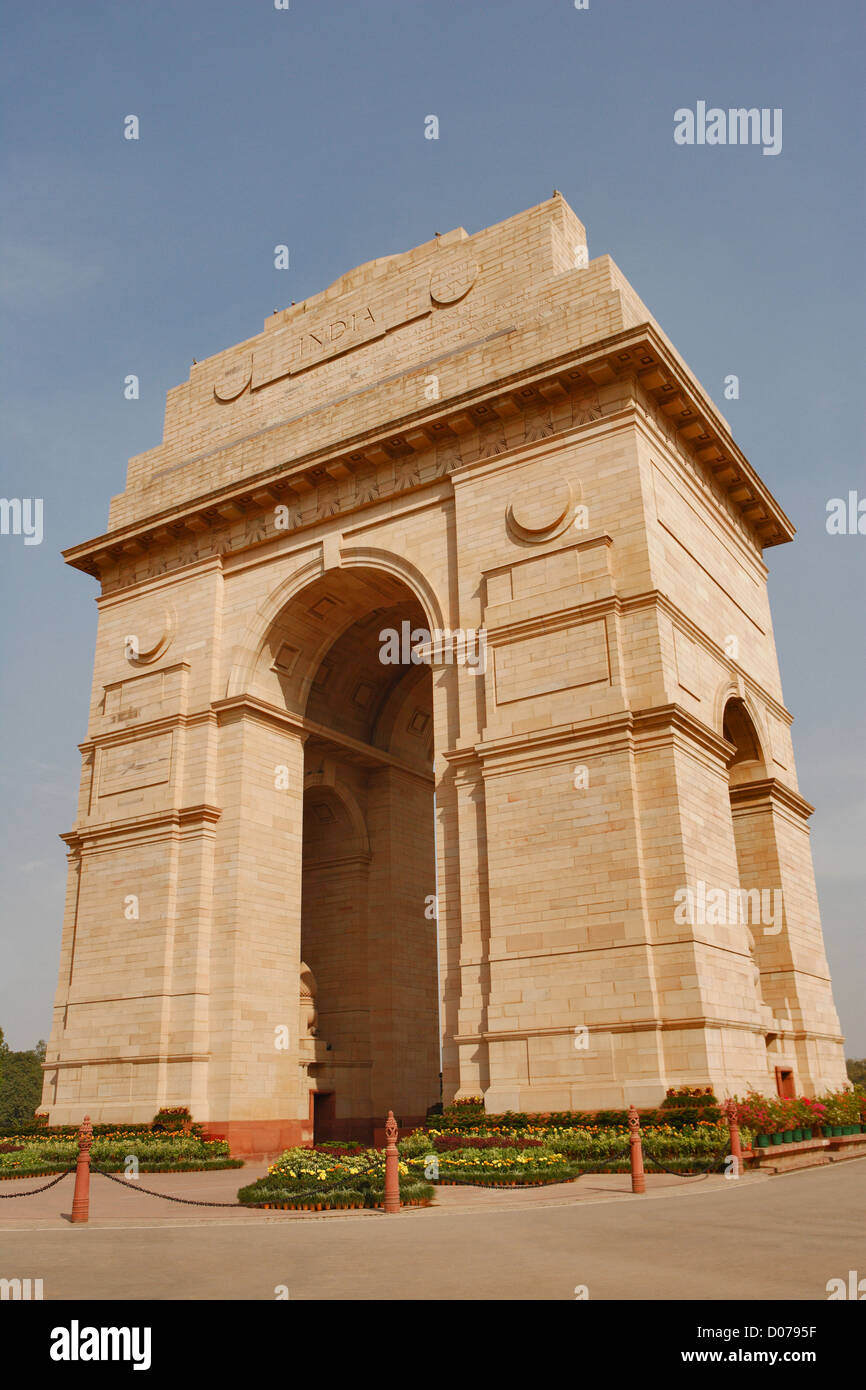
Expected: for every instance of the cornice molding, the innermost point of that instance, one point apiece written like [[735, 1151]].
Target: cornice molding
[[770, 792], [114, 1061], [176, 818], [648, 1025], [640, 353], [665, 723], [662, 724], [130, 733], [245, 706], [235, 707]]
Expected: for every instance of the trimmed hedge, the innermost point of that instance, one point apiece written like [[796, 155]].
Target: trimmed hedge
[[165, 1122], [336, 1199], [509, 1177], [190, 1166], [41, 1132], [454, 1121]]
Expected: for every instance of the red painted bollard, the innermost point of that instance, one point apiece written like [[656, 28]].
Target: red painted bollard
[[81, 1195], [730, 1109], [392, 1169], [638, 1181]]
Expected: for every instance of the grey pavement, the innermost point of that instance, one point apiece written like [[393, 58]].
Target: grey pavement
[[756, 1237]]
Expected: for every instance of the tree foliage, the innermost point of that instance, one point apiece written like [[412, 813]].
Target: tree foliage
[[20, 1082], [856, 1070]]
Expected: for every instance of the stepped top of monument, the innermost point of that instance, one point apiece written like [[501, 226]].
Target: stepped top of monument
[[399, 341]]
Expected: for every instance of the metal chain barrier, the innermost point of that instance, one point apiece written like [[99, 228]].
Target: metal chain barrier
[[605, 1163], [247, 1206], [33, 1190], [678, 1172], [132, 1184]]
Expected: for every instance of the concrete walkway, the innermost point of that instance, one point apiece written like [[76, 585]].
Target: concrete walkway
[[756, 1237], [113, 1204]]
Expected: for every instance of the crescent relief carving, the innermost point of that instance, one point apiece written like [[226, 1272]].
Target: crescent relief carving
[[453, 280], [235, 379], [141, 648], [540, 516]]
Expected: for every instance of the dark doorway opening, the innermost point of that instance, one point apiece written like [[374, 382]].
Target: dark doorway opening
[[324, 1114]]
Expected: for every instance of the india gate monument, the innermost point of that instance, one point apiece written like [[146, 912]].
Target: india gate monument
[[437, 724]]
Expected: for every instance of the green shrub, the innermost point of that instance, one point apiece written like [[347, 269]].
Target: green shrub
[[608, 1118], [334, 1198], [416, 1144], [172, 1119], [689, 1096]]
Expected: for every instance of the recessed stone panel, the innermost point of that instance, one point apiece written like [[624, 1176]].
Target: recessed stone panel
[[562, 660], [145, 762]]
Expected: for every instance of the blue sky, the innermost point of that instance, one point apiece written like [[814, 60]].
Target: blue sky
[[306, 127]]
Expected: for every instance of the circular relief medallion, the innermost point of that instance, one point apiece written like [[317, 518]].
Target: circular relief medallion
[[235, 378], [542, 515], [453, 280]]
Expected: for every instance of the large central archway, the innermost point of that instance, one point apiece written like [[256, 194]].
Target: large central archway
[[369, 1026]]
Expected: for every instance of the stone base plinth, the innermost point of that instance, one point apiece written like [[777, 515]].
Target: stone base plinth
[[259, 1138], [810, 1153]]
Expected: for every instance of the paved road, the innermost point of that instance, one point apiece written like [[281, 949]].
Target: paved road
[[780, 1237]]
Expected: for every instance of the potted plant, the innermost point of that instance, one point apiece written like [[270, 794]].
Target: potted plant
[[804, 1114], [786, 1120], [758, 1114], [850, 1110], [833, 1114], [795, 1117], [815, 1114]]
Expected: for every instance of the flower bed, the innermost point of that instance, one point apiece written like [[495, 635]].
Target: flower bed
[[688, 1110], [498, 1167], [172, 1152], [494, 1158], [320, 1180]]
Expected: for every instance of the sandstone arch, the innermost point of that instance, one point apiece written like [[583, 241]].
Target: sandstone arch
[[555, 893]]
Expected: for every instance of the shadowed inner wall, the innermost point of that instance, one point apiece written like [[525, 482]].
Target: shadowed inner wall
[[368, 933]]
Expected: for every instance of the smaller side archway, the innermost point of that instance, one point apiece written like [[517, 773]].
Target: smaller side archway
[[758, 867], [740, 729]]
